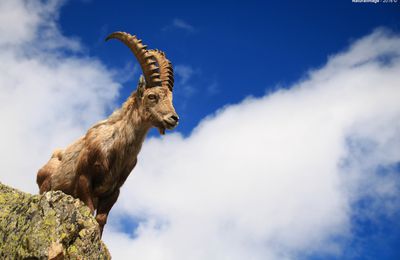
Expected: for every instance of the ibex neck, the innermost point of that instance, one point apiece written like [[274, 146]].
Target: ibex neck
[[133, 127]]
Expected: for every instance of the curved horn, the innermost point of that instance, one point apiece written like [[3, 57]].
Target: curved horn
[[146, 60], [166, 70]]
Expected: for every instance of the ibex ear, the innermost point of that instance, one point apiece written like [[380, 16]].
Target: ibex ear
[[141, 86]]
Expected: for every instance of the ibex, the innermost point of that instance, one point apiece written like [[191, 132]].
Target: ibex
[[95, 166]]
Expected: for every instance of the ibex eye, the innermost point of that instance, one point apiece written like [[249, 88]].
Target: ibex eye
[[152, 97]]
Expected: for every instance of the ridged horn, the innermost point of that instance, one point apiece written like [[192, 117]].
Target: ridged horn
[[145, 59], [165, 66]]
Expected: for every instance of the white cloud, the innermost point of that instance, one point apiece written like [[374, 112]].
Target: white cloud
[[17, 25], [268, 178], [184, 73], [179, 24], [46, 99], [272, 177], [33, 25]]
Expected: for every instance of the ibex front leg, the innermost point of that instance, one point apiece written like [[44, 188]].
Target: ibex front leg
[[104, 206]]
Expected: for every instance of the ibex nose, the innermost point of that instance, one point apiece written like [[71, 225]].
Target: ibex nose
[[175, 118], [171, 121]]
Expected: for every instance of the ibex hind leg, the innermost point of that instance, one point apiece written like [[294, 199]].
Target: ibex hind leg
[[43, 178], [45, 186]]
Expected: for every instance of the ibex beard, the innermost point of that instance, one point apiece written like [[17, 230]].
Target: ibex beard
[[95, 166]]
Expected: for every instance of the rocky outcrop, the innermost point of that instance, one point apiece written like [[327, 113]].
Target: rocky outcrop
[[49, 226]]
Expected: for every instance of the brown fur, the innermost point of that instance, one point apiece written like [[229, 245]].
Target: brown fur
[[95, 166]]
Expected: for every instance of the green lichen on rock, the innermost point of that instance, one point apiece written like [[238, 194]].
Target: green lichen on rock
[[49, 226]]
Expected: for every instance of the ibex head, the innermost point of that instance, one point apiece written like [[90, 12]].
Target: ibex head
[[154, 91]]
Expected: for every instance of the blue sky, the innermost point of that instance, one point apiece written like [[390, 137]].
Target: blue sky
[[239, 49], [288, 142], [235, 49]]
